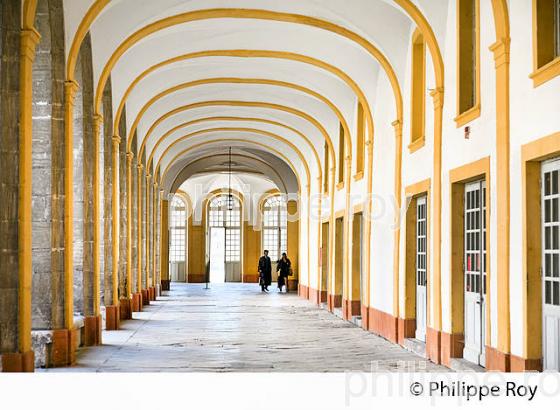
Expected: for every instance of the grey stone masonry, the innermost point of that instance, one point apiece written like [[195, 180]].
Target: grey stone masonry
[[10, 17]]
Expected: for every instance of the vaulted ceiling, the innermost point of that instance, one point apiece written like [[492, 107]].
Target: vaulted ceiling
[[271, 78]]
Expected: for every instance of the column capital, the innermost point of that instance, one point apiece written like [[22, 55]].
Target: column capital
[[501, 50], [29, 38], [140, 166], [397, 125], [129, 157], [148, 176], [437, 97], [97, 120], [70, 88], [116, 139]]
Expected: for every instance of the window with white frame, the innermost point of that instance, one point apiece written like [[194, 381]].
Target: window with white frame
[[275, 224], [177, 227]]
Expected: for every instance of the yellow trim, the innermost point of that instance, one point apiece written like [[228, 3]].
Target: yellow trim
[[413, 191], [546, 65], [458, 177], [546, 73], [340, 186], [222, 130], [416, 144], [468, 116], [532, 154], [231, 80], [418, 92], [358, 176], [238, 119], [501, 49], [464, 117]]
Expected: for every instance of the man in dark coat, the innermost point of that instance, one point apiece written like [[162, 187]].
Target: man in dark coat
[[265, 272]]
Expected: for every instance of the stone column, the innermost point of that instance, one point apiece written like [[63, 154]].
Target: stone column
[[15, 269], [141, 289], [129, 225], [164, 244], [125, 302], [112, 320], [149, 282], [155, 243]]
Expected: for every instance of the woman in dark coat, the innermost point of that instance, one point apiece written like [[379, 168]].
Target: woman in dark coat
[[283, 267]]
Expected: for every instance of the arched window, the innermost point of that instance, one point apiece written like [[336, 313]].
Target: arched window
[[418, 92], [468, 61], [275, 226], [225, 212], [177, 226]]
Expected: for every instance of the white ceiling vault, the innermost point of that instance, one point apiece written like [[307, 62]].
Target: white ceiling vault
[[252, 79]]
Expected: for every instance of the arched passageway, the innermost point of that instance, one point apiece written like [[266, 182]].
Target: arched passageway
[[384, 145]]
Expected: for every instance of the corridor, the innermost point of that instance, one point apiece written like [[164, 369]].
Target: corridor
[[235, 327]]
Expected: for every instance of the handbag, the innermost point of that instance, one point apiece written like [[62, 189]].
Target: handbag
[[290, 272]]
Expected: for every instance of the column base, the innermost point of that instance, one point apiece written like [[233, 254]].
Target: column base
[[137, 302], [18, 362], [520, 364], [63, 348], [407, 329], [125, 309], [152, 293], [165, 284], [382, 324], [158, 290], [496, 360], [350, 308], [433, 345], [452, 345], [145, 297], [365, 317], [112, 317], [304, 291], [92, 330], [334, 301]]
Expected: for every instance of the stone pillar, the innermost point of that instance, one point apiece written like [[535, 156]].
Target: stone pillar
[[15, 274], [164, 244], [107, 189], [112, 320], [155, 244], [149, 238], [141, 253]]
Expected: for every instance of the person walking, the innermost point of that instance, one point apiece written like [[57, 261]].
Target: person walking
[[265, 272], [284, 269]]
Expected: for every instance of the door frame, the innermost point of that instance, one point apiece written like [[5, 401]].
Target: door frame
[[407, 319], [458, 178], [532, 155], [480, 185], [547, 164]]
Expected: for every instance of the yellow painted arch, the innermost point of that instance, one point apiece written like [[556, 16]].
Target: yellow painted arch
[[260, 120], [221, 81], [233, 129], [261, 15], [246, 104], [194, 147], [262, 54]]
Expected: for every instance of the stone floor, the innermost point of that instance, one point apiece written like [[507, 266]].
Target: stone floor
[[235, 327]]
